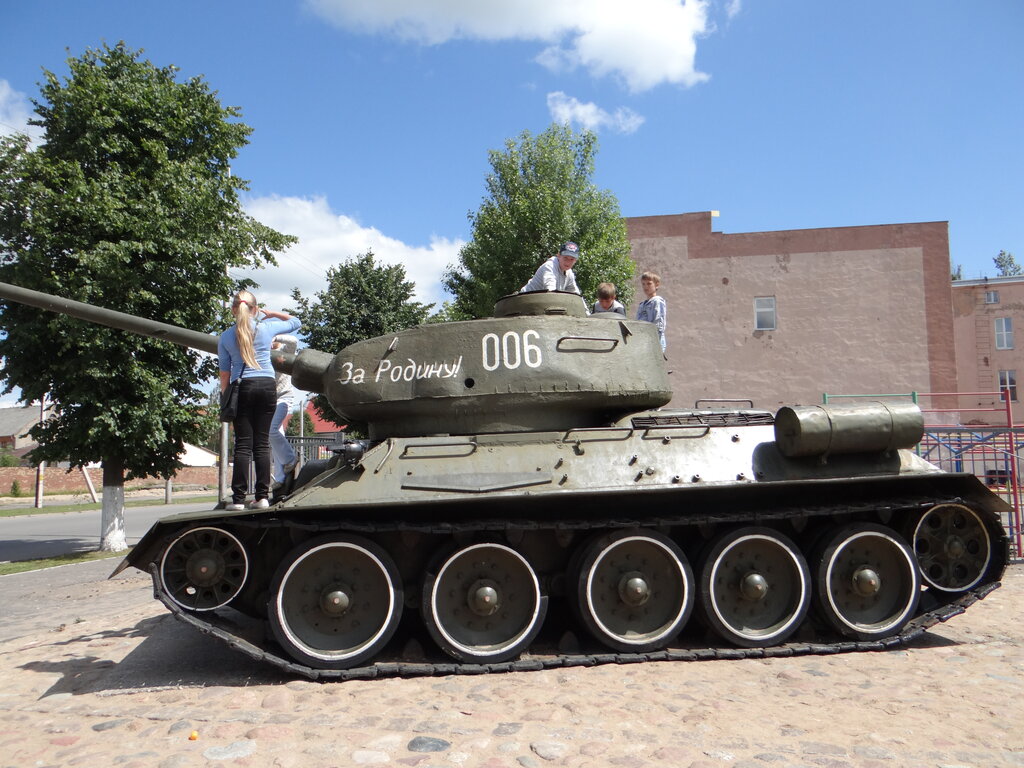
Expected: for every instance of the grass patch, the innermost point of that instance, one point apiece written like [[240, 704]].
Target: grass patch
[[55, 508], [49, 562]]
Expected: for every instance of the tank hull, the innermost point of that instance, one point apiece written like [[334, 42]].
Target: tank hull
[[577, 507]]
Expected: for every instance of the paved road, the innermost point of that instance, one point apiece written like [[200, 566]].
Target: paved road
[[96, 672], [30, 537]]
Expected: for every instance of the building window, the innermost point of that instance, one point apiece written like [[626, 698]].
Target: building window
[[991, 297], [1008, 381], [1004, 333], [764, 313]]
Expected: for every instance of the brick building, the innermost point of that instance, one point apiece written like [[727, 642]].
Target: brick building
[[986, 313], [782, 317]]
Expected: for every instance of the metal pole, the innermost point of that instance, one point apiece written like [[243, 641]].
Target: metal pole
[[89, 485], [1014, 480], [41, 467], [302, 431], [222, 465]]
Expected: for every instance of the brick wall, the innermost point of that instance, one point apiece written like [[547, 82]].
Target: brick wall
[[61, 481]]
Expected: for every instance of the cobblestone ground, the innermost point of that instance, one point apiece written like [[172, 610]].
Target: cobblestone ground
[[134, 687]]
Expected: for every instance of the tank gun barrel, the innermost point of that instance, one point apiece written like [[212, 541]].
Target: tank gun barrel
[[307, 367], [111, 318]]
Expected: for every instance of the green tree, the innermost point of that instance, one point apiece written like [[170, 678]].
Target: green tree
[[539, 194], [296, 425], [362, 300], [1007, 265], [209, 418], [130, 204], [957, 272]]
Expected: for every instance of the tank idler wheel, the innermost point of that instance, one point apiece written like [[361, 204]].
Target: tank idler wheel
[[867, 583], [953, 547], [335, 601], [634, 590], [755, 587], [482, 603], [204, 568]]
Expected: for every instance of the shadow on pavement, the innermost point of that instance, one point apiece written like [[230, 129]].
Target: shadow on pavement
[[171, 654]]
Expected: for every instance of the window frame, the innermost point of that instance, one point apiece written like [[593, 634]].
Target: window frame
[[991, 297], [1003, 327], [1008, 380], [758, 310]]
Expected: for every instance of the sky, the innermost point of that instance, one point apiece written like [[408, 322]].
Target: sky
[[373, 119]]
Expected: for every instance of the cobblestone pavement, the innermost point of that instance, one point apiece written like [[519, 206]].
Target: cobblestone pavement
[[130, 686]]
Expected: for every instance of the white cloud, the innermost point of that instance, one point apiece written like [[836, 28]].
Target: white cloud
[[643, 42], [733, 7], [327, 239], [15, 111], [567, 109]]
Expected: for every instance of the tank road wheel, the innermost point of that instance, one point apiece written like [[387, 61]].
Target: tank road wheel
[[634, 590], [335, 601], [867, 582], [755, 587], [952, 547], [483, 603], [204, 568]]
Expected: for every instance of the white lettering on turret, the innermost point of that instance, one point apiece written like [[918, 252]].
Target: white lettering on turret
[[351, 374], [450, 372], [410, 371], [511, 350]]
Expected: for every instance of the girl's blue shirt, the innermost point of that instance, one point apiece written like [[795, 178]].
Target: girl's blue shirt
[[230, 355]]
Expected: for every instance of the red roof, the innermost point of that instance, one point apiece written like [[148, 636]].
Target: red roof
[[319, 425]]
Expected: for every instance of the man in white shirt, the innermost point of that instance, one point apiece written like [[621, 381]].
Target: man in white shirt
[[555, 274]]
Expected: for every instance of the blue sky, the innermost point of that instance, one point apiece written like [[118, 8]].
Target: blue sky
[[373, 118]]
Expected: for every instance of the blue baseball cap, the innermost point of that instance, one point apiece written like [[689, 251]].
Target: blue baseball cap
[[569, 248]]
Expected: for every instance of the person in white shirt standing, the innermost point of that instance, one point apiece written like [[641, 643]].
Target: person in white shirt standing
[[284, 455], [556, 274]]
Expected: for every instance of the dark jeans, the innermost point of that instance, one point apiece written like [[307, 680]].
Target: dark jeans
[[257, 398]]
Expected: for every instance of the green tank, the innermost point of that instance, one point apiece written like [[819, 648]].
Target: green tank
[[525, 500]]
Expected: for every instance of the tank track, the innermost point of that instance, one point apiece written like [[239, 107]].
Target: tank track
[[227, 630]]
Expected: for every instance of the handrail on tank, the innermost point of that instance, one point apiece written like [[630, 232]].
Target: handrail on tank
[[912, 395]]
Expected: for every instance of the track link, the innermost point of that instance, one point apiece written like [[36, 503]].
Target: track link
[[222, 630]]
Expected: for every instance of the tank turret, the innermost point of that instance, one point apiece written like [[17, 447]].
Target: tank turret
[[529, 459], [540, 363]]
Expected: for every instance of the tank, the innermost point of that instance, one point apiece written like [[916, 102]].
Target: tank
[[525, 500]]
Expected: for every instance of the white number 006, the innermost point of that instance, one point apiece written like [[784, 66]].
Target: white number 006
[[510, 350]]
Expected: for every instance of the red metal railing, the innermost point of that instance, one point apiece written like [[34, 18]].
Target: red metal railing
[[989, 448]]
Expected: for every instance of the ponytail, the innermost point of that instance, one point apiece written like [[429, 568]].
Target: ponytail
[[245, 304]]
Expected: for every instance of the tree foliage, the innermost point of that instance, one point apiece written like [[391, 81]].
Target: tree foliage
[[300, 422], [540, 194], [128, 204], [362, 299], [1007, 265]]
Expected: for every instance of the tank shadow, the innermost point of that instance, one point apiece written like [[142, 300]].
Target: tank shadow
[[170, 655]]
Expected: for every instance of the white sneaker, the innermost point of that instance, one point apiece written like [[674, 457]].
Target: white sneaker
[[259, 504], [235, 507]]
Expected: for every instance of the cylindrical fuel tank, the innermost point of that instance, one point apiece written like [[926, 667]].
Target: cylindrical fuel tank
[[815, 430]]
